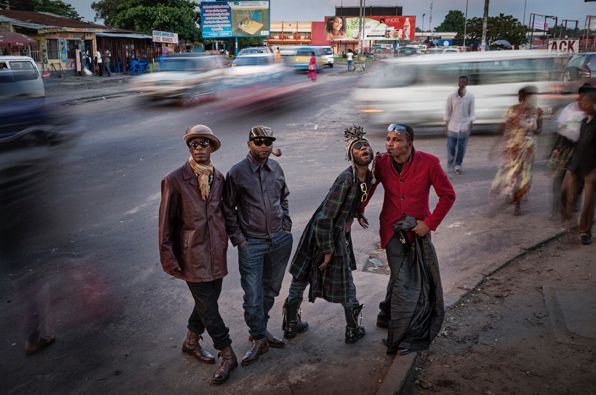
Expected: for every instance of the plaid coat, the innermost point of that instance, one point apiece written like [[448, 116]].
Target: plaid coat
[[325, 234]]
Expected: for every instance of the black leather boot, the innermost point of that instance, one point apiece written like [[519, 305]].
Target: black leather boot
[[383, 317], [354, 331], [292, 323], [193, 347], [227, 363]]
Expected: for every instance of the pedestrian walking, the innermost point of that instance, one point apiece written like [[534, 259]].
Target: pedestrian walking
[[324, 258], [523, 122], [312, 67], [459, 117], [350, 56], [108, 62], [568, 127], [99, 63], [582, 168], [413, 308], [193, 243], [258, 223]]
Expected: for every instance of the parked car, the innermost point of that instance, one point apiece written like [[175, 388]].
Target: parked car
[[414, 89], [302, 57], [184, 78], [580, 69]]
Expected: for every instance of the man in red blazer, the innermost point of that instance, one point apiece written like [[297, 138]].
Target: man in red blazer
[[406, 175]]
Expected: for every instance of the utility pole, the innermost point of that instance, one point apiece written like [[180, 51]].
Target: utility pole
[[430, 19], [360, 26], [423, 15], [465, 25], [484, 26]]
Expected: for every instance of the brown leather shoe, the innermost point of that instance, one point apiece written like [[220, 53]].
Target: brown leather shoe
[[274, 342], [33, 347], [258, 347], [192, 347], [227, 363]]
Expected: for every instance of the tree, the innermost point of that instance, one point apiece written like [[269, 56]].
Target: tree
[[57, 7], [501, 27], [454, 22], [178, 16]]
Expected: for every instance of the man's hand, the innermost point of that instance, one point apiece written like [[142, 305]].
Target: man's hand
[[421, 229], [326, 262], [176, 272], [363, 222]]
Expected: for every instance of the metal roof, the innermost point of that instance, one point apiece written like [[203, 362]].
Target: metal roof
[[124, 35]]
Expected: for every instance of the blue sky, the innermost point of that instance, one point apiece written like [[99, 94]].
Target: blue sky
[[314, 10]]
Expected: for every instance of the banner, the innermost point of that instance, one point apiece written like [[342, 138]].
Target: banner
[[249, 18], [165, 37], [375, 28]]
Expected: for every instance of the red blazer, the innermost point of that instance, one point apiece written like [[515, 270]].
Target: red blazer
[[408, 193]]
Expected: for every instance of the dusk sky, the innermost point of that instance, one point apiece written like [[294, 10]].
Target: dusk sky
[[315, 10]]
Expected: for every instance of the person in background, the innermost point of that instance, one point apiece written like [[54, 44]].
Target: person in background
[[108, 62], [459, 117], [193, 245], [312, 67], [350, 57]]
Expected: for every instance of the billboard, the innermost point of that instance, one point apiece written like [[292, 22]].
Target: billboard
[[248, 18], [165, 37], [339, 28]]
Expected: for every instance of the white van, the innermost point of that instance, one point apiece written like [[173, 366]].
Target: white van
[[414, 90], [20, 77]]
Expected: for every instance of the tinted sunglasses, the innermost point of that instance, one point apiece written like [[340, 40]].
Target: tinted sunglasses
[[360, 144], [199, 143], [261, 141], [396, 127]]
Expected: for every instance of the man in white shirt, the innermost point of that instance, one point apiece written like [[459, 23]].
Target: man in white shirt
[[350, 56], [459, 117]]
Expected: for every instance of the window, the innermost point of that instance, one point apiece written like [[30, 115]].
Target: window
[[72, 47], [53, 49], [23, 70]]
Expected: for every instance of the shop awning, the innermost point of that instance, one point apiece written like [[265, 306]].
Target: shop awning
[[15, 39]]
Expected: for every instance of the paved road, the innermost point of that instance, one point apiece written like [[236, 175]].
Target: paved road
[[120, 320]]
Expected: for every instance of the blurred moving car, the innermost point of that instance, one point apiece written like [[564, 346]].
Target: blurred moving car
[[406, 51], [255, 50], [301, 59], [580, 69], [442, 50], [182, 77], [253, 69], [414, 89], [328, 55]]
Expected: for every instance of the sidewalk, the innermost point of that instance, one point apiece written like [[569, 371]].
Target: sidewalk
[[528, 328], [89, 88]]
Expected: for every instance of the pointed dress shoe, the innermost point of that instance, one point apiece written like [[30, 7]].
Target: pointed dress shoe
[[192, 347], [258, 347], [227, 363], [274, 342]]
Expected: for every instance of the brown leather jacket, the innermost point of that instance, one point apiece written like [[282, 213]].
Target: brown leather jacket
[[192, 233]]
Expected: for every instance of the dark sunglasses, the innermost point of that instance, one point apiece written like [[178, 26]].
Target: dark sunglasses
[[199, 143], [364, 190], [360, 145], [261, 141]]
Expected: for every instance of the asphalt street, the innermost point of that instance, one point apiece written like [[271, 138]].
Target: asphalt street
[[119, 320]]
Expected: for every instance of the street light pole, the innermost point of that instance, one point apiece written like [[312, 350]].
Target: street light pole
[[465, 25], [484, 25], [423, 15]]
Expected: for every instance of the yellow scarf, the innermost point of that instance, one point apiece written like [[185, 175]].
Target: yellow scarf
[[202, 172]]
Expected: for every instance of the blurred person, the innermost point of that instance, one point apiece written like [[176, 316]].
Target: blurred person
[[108, 62], [99, 63], [312, 67], [325, 257], [582, 167], [193, 245], [459, 117], [523, 122], [258, 223], [78, 61], [350, 57], [277, 55], [336, 28], [568, 127], [413, 308]]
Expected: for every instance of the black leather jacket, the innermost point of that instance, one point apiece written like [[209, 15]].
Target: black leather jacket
[[256, 200]]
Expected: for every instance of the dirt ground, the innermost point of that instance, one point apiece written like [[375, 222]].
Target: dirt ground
[[530, 328]]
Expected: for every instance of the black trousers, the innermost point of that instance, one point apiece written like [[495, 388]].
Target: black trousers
[[396, 256], [205, 315]]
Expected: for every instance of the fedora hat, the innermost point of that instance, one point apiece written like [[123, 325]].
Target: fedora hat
[[196, 131]]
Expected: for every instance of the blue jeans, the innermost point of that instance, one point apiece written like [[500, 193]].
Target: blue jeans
[[262, 266], [350, 65], [456, 148]]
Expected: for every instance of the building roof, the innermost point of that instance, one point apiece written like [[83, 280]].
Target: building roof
[[47, 19]]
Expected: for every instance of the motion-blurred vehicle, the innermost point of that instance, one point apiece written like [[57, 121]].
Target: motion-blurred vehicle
[[181, 77], [406, 51], [328, 55], [255, 50], [414, 89], [580, 69], [442, 50], [301, 59]]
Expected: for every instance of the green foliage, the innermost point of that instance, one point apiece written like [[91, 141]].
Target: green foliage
[[177, 16], [454, 22], [57, 7], [502, 27]]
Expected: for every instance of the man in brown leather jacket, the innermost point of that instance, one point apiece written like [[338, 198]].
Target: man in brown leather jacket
[[193, 244]]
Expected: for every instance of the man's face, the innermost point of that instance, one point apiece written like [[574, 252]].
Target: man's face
[[462, 83], [586, 104], [397, 144], [260, 147], [362, 153], [200, 150]]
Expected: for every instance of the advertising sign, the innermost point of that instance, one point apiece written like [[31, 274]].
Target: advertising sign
[[248, 18], [375, 28], [568, 46], [165, 37]]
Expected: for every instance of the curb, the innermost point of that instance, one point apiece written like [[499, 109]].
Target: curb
[[90, 99], [401, 368]]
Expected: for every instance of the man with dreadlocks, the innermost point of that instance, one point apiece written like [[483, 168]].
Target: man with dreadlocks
[[325, 258]]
